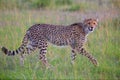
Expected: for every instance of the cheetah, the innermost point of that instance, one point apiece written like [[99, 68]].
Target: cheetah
[[38, 36]]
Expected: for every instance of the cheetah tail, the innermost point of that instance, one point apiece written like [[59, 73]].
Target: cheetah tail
[[12, 52], [21, 49]]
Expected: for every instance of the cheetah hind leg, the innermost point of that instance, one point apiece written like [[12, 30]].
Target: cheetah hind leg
[[22, 56], [43, 58], [28, 49]]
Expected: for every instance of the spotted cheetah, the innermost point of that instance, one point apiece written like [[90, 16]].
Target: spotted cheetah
[[38, 36]]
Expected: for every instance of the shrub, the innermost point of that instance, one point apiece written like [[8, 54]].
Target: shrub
[[63, 2], [80, 6], [41, 3]]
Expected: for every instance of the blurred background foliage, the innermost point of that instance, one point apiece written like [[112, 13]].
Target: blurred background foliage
[[71, 5]]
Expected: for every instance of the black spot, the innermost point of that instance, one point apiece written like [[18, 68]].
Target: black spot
[[4, 50], [13, 53], [89, 57], [40, 58], [73, 51], [22, 47], [17, 51], [43, 50]]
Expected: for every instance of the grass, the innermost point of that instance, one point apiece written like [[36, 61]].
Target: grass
[[77, 7], [103, 43]]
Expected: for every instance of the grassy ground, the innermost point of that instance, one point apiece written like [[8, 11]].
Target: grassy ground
[[103, 43]]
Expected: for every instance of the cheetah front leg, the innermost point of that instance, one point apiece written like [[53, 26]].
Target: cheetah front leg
[[89, 56], [22, 56], [29, 48], [78, 48]]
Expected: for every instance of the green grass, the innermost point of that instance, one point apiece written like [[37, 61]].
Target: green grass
[[103, 43], [69, 5], [79, 7]]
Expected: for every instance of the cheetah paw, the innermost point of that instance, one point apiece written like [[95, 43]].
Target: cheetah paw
[[95, 62]]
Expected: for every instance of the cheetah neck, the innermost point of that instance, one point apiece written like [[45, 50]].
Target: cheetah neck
[[85, 30]]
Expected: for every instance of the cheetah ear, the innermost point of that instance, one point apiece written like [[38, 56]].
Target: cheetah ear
[[83, 19], [97, 21]]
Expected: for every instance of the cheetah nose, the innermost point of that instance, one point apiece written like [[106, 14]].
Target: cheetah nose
[[91, 28]]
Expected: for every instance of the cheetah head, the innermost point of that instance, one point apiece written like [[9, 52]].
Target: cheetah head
[[90, 25]]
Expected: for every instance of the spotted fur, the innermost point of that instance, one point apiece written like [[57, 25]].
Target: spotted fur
[[38, 35]]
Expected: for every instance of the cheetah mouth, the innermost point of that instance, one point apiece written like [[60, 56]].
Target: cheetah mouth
[[90, 28]]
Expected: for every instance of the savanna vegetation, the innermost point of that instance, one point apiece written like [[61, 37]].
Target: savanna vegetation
[[16, 16]]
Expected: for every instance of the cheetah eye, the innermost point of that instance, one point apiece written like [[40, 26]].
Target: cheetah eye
[[94, 23]]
